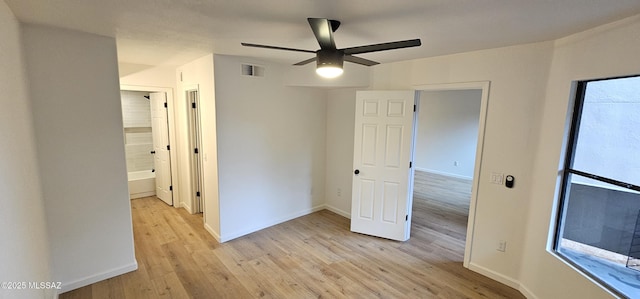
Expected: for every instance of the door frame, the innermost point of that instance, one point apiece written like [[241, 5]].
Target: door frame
[[173, 158], [484, 86], [191, 116]]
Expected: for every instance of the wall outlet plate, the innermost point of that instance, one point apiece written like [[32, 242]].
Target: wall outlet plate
[[502, 246]]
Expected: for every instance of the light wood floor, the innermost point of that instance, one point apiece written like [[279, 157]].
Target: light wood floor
[[446, 189], [314, 256]]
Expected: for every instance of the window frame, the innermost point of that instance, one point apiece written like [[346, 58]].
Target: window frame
[[567, 170]]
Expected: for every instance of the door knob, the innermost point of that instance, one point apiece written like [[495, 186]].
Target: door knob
[[357, 171]]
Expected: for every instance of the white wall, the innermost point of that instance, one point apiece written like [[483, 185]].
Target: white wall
[[147, 75], [200, 73], [24, 249], [607, 51], [75, 97], [271, 147], [341, 110], [448, 132]]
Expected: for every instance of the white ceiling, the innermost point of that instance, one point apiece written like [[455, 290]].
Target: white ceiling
[[173, 32]]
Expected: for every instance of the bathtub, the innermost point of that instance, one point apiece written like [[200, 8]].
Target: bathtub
[[142, 184]]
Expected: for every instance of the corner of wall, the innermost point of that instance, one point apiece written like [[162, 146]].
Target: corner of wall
[[73, 151]]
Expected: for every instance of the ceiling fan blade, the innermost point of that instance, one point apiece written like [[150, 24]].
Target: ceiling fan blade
[[382, 47], [276, 48], [323, 32], [305, 61], [359, 60]]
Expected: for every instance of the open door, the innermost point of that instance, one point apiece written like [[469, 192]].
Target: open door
[[162, 160], [383, 146], [194, 145]]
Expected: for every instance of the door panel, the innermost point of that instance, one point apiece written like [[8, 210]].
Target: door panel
[[162, 162], [394, 144], [382, 152]]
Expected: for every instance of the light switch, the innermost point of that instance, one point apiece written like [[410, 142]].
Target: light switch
[[497, 178]]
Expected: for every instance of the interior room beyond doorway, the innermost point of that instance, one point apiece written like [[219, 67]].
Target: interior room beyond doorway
[[446, 143]]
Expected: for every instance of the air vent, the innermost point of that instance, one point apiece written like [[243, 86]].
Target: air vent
[[252, 70]]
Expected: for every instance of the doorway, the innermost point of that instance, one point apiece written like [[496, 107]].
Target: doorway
[[148, 137], [448, 146], [384, 141], [444, 161]]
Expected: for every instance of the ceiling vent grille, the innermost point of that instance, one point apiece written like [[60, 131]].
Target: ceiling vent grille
[[252, 70]]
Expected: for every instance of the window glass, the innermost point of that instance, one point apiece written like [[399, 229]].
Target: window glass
[[608, 142]]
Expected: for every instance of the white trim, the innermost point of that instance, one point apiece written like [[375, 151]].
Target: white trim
[[237, 234], [141, 194], [453, 86], [340, 212], [212, 232], [495, 276], [198, 116], [526, 292], [186, 207], [453, 175], [580, 272], [484, 85], [98, 277]]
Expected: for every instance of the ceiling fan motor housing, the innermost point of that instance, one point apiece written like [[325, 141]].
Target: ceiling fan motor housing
[[330, 58]]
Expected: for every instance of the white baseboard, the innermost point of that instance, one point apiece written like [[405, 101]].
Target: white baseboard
[[68, 286], [526, 292], [186, 207], [495, 276], [142, 194], [229, 237], [453, 175], [340, 212], [212, 232], [504, 280]]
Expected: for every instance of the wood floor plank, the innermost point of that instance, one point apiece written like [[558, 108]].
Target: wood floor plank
[[168, 286], [187, 270], [240, 268], [111, 288], [227, 285], [137, 284], [314, 256]]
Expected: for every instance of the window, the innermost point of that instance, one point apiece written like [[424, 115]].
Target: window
[[598, 227]]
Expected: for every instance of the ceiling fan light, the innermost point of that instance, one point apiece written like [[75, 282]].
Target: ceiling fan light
[[329, 71], [329, 63]]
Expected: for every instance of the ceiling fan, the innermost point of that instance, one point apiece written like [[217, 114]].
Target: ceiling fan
[[330, 59]]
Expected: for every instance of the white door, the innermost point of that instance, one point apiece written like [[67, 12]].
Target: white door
[[160, 131], [383, 145], [194, 143]]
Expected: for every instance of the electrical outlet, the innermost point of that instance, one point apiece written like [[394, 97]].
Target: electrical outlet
[[455, 163], [339, 192], [502, 246]]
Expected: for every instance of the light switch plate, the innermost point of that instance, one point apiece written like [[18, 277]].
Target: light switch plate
[[497, 178]]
